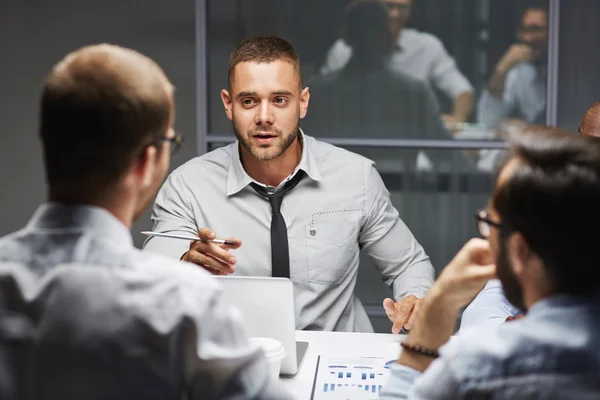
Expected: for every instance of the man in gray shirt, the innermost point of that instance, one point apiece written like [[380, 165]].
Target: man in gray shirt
[[419, 55], [83, 314], [303, 208]]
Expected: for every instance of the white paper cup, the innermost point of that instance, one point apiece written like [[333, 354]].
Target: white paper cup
[[274, 352]]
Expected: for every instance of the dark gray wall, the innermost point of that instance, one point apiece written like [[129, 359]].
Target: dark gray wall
[[35, 34], [579, 60]]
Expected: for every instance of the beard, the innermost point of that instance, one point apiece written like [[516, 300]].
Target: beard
[[268, 153], [510, 283]]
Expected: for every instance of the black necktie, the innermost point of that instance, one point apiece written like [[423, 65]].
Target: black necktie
[[280, 253]]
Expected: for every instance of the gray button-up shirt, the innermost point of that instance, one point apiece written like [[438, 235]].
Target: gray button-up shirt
[[552, 353], [417, 54], [524, 97], [341, 207], [102, 320]]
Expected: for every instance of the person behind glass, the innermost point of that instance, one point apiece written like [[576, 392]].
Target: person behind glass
[[516, 92], [83, 313], [303, 208], [419, 55], [491, 305], [541, 245], [368, 99]]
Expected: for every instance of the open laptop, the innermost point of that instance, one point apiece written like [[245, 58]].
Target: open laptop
[[267, 306]]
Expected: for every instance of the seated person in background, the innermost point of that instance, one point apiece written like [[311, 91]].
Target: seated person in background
[[417, 54], [335, 202], [368, 99], [542, 245], [491, 306], [517, 86], [83, 314]]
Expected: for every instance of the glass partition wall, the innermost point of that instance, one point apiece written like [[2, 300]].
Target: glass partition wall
[[460, 76]]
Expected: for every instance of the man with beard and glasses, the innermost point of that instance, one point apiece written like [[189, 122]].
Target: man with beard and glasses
[[541, 232], [516, 91], [83, 314], [491, 306], [304, 209]]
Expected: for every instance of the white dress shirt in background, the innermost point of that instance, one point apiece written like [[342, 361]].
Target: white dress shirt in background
[[524, 98], [417, 54]]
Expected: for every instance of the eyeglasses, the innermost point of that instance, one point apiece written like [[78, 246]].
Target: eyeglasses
[[532, 29], [175, 142], [401, 7], [484, 222]]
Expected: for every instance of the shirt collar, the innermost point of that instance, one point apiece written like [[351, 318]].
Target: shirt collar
[[237, 178], [98, 221], [561, 301], [401, 42]]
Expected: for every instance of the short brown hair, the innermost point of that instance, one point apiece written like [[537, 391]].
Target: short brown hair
[[552, 199], [367, 28], [100, 106], [264, 49]]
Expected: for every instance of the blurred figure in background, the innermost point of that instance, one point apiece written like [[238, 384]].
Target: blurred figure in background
[[417, 54], [366, 98], [517, 86]]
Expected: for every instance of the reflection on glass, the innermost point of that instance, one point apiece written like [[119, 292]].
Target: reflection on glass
[[413, 53], [397, 69], [517, 86]]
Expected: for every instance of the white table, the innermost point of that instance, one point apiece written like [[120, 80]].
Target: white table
[[337, 344]]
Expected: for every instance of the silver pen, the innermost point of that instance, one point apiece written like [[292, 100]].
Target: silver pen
[[190, 238]]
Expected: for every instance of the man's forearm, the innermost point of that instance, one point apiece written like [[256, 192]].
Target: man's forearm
[[434, 326], [497, 80], [415, 280], [463, 106]]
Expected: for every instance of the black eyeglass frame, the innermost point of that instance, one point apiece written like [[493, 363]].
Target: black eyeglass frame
[[482, 216], [174, 142]]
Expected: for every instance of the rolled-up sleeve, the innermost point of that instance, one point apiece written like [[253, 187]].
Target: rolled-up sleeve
[[396, 253], [491, 111], [337, 57], [490, 307], [446, 76], [172, 213]]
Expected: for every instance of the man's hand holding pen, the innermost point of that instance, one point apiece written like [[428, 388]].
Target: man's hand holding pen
[[215, 258]]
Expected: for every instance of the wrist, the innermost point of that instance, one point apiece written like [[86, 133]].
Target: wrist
[[445, 297], [459, 116], [436, 319], [503, 67], [414, 359]]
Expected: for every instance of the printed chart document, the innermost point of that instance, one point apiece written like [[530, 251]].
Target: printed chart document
[[350, 378]]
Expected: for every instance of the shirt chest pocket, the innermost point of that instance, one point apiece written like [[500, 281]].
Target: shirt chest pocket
[[332, 245]]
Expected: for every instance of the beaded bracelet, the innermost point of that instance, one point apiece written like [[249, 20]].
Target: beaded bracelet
[[420, 350]]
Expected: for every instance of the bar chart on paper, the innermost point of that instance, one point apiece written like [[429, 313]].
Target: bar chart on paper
[[351, 378]]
